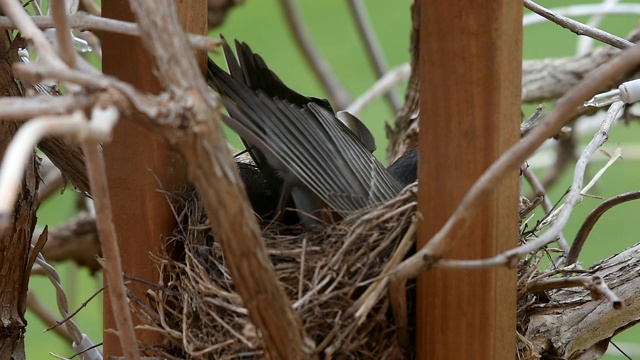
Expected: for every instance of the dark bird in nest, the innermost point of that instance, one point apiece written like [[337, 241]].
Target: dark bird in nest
[[300, 145]]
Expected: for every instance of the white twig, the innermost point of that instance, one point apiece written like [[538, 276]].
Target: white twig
[[584, 10], [385, 84], [21, 149], [576, 192]]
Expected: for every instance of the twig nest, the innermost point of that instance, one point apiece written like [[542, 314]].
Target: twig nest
[[325, 275]]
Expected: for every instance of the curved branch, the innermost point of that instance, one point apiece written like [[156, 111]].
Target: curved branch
[[592, 219]]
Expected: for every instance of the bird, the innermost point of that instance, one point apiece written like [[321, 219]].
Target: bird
[[310, 156]]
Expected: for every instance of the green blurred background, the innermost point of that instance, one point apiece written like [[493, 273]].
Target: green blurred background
[[262, 26]]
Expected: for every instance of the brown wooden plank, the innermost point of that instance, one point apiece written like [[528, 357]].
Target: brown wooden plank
[[470, 106], [141, 215]]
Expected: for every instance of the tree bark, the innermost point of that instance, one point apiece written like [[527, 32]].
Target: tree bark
[[16, 239]]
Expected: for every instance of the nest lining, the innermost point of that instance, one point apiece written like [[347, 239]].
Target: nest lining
[[325, 275]]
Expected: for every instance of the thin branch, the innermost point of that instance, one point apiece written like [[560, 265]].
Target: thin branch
[[337, 94], [442, 242], [374, 50], [63, 32], [20, 149], [585, 43], [595, 284], [383, 86], [592, 219], [539, 190], [83, 21], [108, 237], [584, 10], [578, 27]]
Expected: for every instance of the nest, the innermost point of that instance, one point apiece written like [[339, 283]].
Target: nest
[[325, 274]]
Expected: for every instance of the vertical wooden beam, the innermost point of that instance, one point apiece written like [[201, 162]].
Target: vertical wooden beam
[[471, 56], [136, 157]]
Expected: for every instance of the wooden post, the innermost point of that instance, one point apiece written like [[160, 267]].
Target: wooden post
[[136, 157], [471, 57]]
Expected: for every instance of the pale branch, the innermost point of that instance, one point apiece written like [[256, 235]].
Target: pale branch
[[443, 241], [570, 323], [585, 43], [338, 96], [84, 21], [106, 119], [584, 10], [382, 86], [549, 79], [577, 27], [594, 284], [18, 108], [539, 190], [27, 137], [583, 192], [374, 49], [66, 51]]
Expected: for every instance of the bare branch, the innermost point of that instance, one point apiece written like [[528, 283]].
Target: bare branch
[[110, 250], [577, 27], [374, 50], [337, 94], [82, 20], [592, 219], [384, 85], [539, 190]]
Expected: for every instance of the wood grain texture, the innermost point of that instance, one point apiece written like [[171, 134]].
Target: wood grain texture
[[469, 114], [135, 158]]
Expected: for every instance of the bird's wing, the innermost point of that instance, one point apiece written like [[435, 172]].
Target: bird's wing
[[307, 142]]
